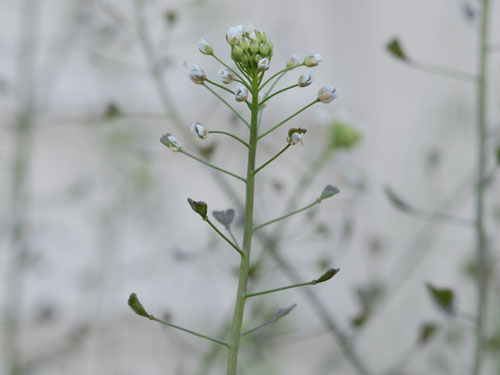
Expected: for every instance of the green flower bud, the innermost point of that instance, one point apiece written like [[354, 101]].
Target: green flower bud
[[237, 51], [264, 49], [199, 207], [254, 47], [261, 36], [244, 44], [326, 276], [137, 307], [329, 191]]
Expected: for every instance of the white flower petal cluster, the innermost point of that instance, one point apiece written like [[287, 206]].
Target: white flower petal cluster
[[205, 47], [306, 79], [199, 130], [196, 74], [225, 75], [241, 94], [312, 60], [170, 141], [293, 60]]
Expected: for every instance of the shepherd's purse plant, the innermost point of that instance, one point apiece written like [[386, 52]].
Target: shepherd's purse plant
[[251, 52]]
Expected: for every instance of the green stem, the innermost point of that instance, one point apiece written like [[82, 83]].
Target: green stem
[[278, 289], [273, 320], [280, 72], [230, 135], [213, 166], [219, 86], [223, 236], [273, 158], [287, 119], [279, 92], [482, 261], [443, 71], [151, 317], [247, 237], [229, 106], [288, 215]]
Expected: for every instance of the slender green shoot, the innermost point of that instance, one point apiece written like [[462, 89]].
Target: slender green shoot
[[233, 245], [273, 158], [229, 106], [213, 166], [229, 135]]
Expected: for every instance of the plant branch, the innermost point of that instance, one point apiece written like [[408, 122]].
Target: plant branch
[[279, 289], [278, 316], [287, 119], [278, 73], [278, 92], [287, 215], [229, 106], [233, 245], [232, 71], [273, 158], [220, 86], [213, 166], [230, 135], [443, 71]]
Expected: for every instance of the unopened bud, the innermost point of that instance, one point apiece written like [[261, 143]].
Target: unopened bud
[[196, 74], [199, 130], [233, 36], [237, 51], [199, 207], [225, 76], [137, 307], [329, 191], [170, 141], [241, 94], [312, 60], [306, 79], [263, 64], [205, 47], [326, 276], [293, 60], [326, 94], [261, 36]]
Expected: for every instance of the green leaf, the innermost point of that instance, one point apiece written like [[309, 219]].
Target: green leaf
[[359, 320], [137, 307], [199, 207], [329, 191], [444, 298], [427, 332], [394, 47], [326, 276]]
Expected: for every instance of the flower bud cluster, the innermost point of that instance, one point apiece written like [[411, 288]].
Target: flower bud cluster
[[251, 50]]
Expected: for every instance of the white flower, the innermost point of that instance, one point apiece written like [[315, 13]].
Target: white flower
[[249, 28], [293, 60], [199, 130], [241, 93], [295, 136], [233, 36], [326, 94], [205, 47], [263, 64], [170, 141], [225, 76], [196, 74], [252, 36], [312, 60], [306, 79]]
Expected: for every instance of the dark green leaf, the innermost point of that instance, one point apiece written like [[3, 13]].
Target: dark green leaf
[[199, 207], [444, 298], [427, 332], [329, 191], [326, 276], [394, 47], [136, 306]]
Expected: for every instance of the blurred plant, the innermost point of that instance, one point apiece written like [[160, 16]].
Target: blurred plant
[[251, 51], [444, 297]]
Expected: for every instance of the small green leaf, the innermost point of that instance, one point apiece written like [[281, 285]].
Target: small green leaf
[[394, 47], [427, 332], [326, 276], [444, 298], [329, 191], [199, 207], [136, 306], [359, 320]]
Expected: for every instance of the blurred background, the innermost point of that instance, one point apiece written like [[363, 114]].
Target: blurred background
[[93, 206]]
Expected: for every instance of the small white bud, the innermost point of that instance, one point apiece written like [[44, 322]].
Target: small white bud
[[326, 94], [241, 93], [252, 36], [263, 64], [205, 47], [312, 60], [233, 36], [170, 141], [196, 74], [240, 29], [306, 79], [225, 76], [199, 130], [293, 60]]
